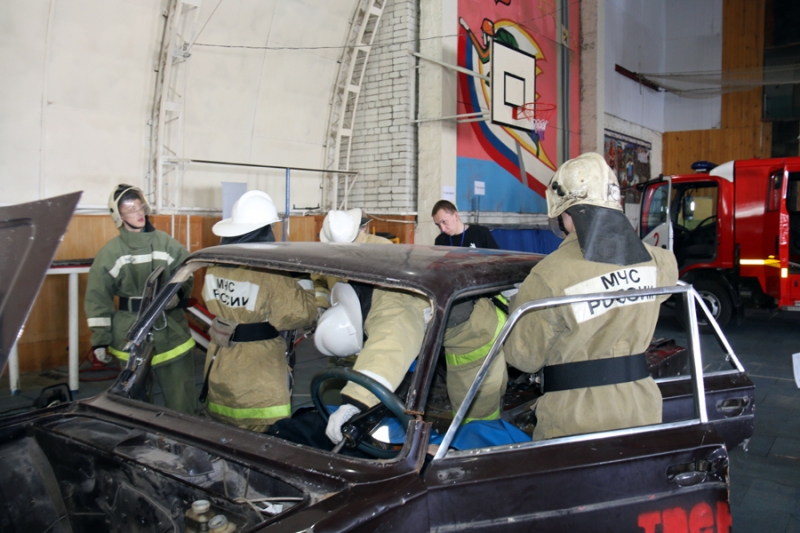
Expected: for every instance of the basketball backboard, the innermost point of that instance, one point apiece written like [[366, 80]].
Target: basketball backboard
[[513, 83]]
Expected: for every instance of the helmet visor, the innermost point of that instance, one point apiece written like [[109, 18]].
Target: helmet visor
[[557, 228]]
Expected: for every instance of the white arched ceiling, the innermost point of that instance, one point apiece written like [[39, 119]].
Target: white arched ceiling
[[78, 86], [268, 104]]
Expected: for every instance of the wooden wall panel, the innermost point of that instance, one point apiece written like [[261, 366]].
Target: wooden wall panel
[[742, 134], [402, 226], [44, 341], [85, 235], [682, 148]]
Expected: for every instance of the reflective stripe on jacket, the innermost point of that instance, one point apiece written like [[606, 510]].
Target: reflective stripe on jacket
[[466, 347], [121, 268]]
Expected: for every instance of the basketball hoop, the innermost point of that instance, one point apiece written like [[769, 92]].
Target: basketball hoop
[[536, 113]]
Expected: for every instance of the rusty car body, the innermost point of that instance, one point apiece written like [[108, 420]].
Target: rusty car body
[[117, 463]]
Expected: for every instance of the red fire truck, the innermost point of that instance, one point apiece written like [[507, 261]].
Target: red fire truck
[[735, 230]]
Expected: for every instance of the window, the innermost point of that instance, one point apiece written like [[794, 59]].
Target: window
[[775, 191], [698, 204], [655, 211]]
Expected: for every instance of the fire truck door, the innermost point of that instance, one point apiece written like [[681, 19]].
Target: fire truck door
[[655, 225], [776, 234]]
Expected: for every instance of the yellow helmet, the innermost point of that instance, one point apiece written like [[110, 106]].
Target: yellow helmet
[[586, 179], [117, 195]]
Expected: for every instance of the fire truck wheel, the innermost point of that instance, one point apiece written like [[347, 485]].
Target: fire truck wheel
[[718, 301]]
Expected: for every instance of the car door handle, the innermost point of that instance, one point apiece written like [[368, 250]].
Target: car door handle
[[733, 406], [688, 479], [699, 470]]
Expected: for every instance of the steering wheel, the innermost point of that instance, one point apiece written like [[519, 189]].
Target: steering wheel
[[702, 223], [387, 398]]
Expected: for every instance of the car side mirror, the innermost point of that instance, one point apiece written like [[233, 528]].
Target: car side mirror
[[688, 207]]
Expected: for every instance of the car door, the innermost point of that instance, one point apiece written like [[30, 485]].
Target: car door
[[776, 236], [664, 477], [668, 476], [655, 225]]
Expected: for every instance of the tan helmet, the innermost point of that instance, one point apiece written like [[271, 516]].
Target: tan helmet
[[340, 329], [116, 196], [253, 210], [586, 179], [341, 226]]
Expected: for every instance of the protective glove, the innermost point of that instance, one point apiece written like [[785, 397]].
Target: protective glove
[[510, 293], [102, 355], [306, 284], [173, 302], [339, 418]]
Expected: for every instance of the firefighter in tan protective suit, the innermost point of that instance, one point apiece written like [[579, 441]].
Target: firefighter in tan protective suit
[[395, 327], [246, 368], [591, 353], [341, 227]]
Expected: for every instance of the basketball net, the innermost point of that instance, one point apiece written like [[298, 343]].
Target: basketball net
[[537, 114]]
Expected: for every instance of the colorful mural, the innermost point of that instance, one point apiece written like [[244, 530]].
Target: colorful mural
[[629, 158], [491, 153]]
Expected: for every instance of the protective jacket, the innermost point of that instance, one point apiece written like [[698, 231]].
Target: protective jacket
[[121, 269], [324, 284], [248, 382], [590, 331], [466, 347], [395, 327]]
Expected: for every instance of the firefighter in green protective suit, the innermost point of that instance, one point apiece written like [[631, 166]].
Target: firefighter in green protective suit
[[121, 269], [246, 367]]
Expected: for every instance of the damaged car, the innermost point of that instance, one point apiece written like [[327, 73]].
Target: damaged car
[[116, 462]]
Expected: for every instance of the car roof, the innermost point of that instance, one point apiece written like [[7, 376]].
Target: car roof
[[439, 271]]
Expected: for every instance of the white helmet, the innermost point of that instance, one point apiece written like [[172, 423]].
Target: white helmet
[[253, 210], [341, 226], [116, 196], [340, 329], [586, 179]]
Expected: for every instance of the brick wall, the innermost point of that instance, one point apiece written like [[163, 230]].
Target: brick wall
[[384, 138]]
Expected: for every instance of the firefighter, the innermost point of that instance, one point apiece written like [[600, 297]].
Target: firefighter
[[472, 326], [591, 353], [121, 269], [394, 326], [247, 376], [471, 330], [341, 227]]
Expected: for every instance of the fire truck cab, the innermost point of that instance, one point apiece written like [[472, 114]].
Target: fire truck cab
[[734, 229]]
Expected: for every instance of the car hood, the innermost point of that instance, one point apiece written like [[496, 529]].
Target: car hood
[[29, 236]]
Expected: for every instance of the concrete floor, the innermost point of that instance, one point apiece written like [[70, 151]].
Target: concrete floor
[[765, 476]]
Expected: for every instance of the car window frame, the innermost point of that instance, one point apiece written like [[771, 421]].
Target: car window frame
[[696, 364]]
